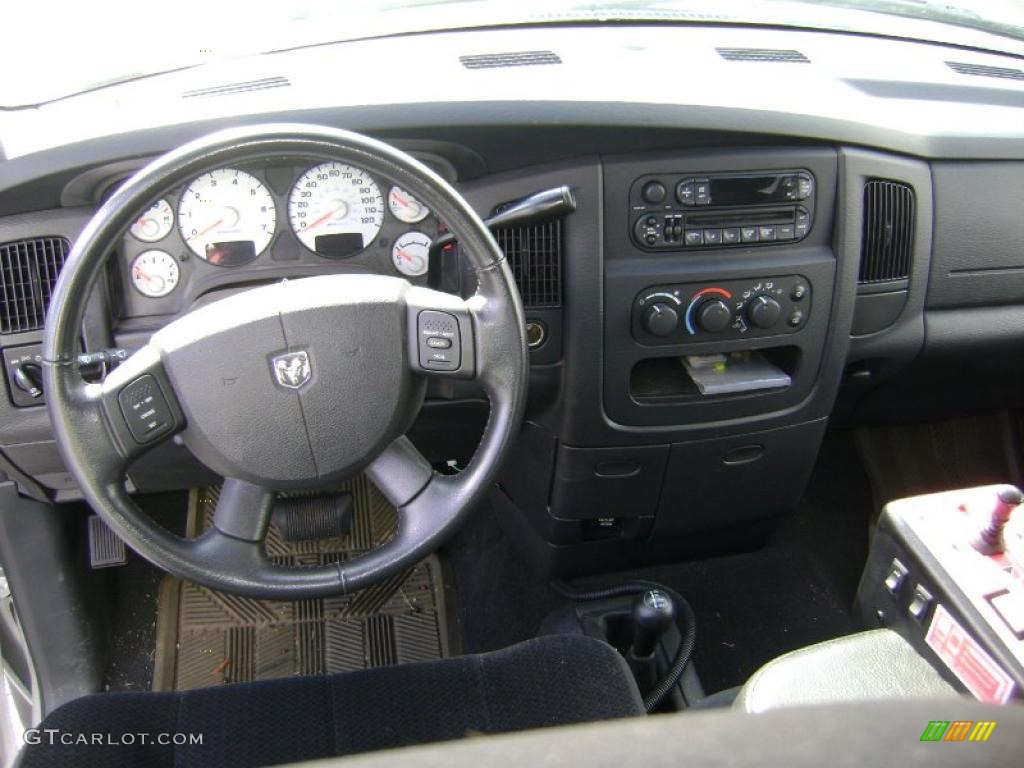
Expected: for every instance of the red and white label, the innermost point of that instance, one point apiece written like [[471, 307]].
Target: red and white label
[[967, 660]]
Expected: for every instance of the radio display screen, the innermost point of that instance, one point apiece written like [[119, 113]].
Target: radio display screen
[[749, 190]]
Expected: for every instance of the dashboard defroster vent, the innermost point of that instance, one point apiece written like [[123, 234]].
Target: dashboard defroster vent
[[513, 59], [762, 54], [28, 272], [984, 70], [230, 89], [888, 233], [534, 255]]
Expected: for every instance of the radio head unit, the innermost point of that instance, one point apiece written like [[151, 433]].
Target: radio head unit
[[692, 210]]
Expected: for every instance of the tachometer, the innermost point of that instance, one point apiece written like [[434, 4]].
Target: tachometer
[[227, 217], [155, 224], [154, 273], [405, 207], [336, 209]]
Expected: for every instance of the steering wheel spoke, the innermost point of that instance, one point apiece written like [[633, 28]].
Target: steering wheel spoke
[[400, 472]]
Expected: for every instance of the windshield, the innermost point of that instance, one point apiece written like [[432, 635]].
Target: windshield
[[56, 49]]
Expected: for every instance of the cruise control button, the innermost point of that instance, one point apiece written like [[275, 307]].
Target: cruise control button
[[434, 328], [146, 411]]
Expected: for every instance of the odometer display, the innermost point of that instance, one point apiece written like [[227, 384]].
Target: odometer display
[[336, 210]]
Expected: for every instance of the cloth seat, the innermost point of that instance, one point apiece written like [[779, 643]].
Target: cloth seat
[[552, 680]]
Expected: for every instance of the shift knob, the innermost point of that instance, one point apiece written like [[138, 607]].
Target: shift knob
[[653, 614], [989, 540]]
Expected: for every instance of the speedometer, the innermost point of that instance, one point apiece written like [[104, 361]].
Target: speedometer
[[336, 209], [227, 217]]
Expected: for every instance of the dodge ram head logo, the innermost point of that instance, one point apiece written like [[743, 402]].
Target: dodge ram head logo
[[292, 369]]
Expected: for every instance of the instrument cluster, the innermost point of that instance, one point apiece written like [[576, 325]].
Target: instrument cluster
[[237, 216]]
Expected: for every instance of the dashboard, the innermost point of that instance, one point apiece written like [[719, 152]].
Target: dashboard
[[838, 231]]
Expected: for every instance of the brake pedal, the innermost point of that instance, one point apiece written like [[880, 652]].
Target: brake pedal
[[106, 549], [311, 518]]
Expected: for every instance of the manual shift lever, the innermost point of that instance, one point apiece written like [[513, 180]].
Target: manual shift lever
[[989, 540], [653, 614]]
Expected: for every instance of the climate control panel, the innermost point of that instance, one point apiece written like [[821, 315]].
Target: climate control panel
[[732, 309]]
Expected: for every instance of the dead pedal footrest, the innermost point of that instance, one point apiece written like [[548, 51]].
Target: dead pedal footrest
[[106, 549], [311, 518]]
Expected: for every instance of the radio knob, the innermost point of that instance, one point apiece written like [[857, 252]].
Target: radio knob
[[764, 312], [653, 192], [714, 316], [660, 319]]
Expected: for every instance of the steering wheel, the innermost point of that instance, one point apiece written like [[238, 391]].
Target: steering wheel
[[293, 385]]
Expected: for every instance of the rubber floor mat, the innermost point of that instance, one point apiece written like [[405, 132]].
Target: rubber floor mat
[[206, 637]]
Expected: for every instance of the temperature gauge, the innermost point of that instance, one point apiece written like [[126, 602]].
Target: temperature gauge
[[405, 207], [154, 273], [155, 224], [411, 253]]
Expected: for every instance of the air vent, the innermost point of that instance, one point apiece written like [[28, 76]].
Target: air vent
[[515, 59], [762, 54], [28, 271], [984, 70], [243, 87], [534, 255], [888, 231]]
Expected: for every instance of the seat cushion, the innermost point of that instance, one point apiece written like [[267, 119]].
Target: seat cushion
[[553, 680], [878, 664]]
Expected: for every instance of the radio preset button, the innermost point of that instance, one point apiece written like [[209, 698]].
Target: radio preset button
[[749, 234], [785, 232], [712, 236], [766, 232], [694, 237], [730, 235]]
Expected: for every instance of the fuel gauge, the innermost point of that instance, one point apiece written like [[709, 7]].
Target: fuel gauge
[[405, 207]]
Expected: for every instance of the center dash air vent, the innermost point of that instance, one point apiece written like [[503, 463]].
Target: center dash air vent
[[28, 272], [984, 70], [514, 59], [888, 235], [534, 254], [762, 54], [244, 87]]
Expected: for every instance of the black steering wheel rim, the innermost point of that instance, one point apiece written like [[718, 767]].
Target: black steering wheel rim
[[229, 556]]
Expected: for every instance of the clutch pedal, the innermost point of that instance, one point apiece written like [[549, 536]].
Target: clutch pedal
[[311, 518], [106, 549]]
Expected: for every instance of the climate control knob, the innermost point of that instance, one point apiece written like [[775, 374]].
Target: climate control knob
[[714, 316], [763, 312], [661, 319]]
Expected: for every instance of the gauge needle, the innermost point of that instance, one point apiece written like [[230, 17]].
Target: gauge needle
[[215, 224], [401, 200], [404, 255], [325, 217], [142, 274]]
